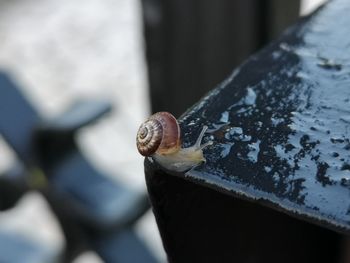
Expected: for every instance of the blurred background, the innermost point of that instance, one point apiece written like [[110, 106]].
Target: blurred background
[[143, 56]]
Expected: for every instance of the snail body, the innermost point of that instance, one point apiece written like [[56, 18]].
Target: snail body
[[160, 138]]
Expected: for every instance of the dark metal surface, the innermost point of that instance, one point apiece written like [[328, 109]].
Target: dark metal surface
[[281, 124], [202, 225]]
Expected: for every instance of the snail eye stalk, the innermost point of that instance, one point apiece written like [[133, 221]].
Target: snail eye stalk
[[159, 137]]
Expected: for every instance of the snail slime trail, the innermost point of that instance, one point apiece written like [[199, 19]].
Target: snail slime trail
[[160, 137]]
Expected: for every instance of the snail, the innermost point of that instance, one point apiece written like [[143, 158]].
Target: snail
[[159, 137]]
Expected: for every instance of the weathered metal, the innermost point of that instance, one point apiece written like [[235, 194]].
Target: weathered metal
[[281, 130]]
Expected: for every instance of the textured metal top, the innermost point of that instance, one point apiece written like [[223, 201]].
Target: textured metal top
[[281, 123]]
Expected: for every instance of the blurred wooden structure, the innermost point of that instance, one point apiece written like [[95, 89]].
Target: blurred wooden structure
[[192, 45]]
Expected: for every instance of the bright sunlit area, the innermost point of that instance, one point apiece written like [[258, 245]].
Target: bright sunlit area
[[307, 6], [61, 51]]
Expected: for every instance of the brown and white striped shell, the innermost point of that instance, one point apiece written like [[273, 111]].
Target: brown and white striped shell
[[159, 134]]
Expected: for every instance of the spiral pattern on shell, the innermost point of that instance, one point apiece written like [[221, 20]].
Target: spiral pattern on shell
[[159, 134]]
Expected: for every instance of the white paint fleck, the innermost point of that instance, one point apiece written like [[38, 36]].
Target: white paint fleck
[[250, 98], [245, 138], [224, 117], [276, 54], [254, 151], [236, 130], [267, 169], [276, 121], [276, 176], [302, 75], [226, 148], [191, 123], [284, 46]]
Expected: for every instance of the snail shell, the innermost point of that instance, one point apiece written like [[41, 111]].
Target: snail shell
[[159, 134], [159, 137]]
